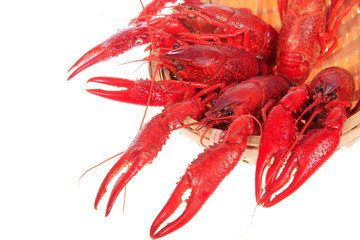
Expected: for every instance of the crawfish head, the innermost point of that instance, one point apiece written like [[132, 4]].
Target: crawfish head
[[243, 98], [212, 64], [250, 96], [195, 62], [332, 83]]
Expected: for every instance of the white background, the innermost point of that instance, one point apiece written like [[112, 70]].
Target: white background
[[52, 130]]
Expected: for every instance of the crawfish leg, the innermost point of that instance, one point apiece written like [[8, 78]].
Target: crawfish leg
[[282, 5], [334, 21], [154, 7], [145, 147], [335, 18], [203, 176], [151, 9]]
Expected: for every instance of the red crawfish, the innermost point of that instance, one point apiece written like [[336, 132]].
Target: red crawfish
[[191, 23], [289, 156], [209, 64], [306, 31], [243, 101]]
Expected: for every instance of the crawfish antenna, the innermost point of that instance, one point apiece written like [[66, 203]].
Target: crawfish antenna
[[250, 224], [203, 135], [156, 68], [148, 23], [149, 97], [316, 102], [93, 167]]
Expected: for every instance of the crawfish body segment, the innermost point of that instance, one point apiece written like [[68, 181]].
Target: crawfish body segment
[[298, 45], [304, 152]]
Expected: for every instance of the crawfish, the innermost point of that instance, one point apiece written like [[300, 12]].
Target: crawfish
[[206, 64], [253, 97], [191, 23], [306, 31], [301, 153]]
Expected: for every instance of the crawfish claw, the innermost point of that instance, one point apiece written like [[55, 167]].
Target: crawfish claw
[[133, 92], [137, 92], [307, 157], [203, 176], [277, 137], [122, 41], [196, 200], [139, 153]]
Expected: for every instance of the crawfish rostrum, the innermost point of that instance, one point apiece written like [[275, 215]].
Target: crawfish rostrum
[[231, 69]]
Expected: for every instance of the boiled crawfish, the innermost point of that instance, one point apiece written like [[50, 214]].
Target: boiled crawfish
[[240, 103], [209, 64], [285, 150], [179, 38], [191, 23], [210, 67], [306, 31]]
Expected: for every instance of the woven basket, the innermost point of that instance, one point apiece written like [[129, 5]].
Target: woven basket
[[346, 55]]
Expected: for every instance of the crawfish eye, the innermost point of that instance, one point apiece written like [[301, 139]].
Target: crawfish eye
[[175, 46], [229, 112], [213, 102], [319, 89], [332, 95], [180, 67]]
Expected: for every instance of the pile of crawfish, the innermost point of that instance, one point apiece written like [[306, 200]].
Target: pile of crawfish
[[231, 71]]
